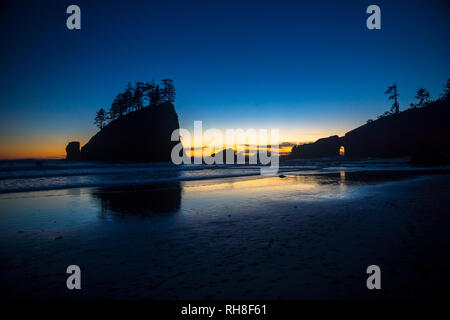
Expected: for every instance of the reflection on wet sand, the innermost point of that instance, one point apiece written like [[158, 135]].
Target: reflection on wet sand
[[251, 183], [148, 200], [291, 237], [144, 200], [342, 174]]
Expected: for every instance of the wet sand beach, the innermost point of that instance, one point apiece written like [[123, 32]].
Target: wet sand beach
[[298, 237]]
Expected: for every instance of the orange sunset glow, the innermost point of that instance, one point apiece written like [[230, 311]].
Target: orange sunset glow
[[53, 145]]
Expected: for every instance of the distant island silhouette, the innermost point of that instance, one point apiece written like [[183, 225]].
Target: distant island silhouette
[[421, 132]]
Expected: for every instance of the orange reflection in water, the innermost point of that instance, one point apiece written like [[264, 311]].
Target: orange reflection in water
[[342, 151], [249, 184]]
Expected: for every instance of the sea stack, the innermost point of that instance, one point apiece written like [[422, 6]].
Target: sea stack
[[142, 135], [73, 150]]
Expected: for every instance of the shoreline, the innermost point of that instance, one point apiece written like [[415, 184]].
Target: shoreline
[[98, 176]]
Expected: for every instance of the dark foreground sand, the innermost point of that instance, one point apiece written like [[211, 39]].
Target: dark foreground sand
[[299, 237]]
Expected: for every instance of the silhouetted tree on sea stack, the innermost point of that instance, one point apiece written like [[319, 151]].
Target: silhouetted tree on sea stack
[[392, 90], [423, 96], [135, 98], [100, 118], [149, 87], [138, 96], [446, 93], [114, 110], [127, 99], [118, 108], [168, 92], [155, 97]]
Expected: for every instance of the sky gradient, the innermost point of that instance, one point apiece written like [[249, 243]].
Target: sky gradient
[[308, 68]]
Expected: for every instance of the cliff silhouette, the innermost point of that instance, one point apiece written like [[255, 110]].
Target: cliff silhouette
[[142, 135], [421, 133]]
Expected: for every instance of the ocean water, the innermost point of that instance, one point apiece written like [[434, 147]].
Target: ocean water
[[38, 175], [159, 231]]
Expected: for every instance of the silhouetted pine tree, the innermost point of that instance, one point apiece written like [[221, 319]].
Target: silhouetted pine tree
[[392, 90], [119, 106], [100, 118], [149, 87], [446, 93], [155, 98], [138, 96], [423, 96], [127, 99], [114, 110], [168, 91]]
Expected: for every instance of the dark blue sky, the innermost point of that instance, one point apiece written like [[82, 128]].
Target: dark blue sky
[[309, 68]]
